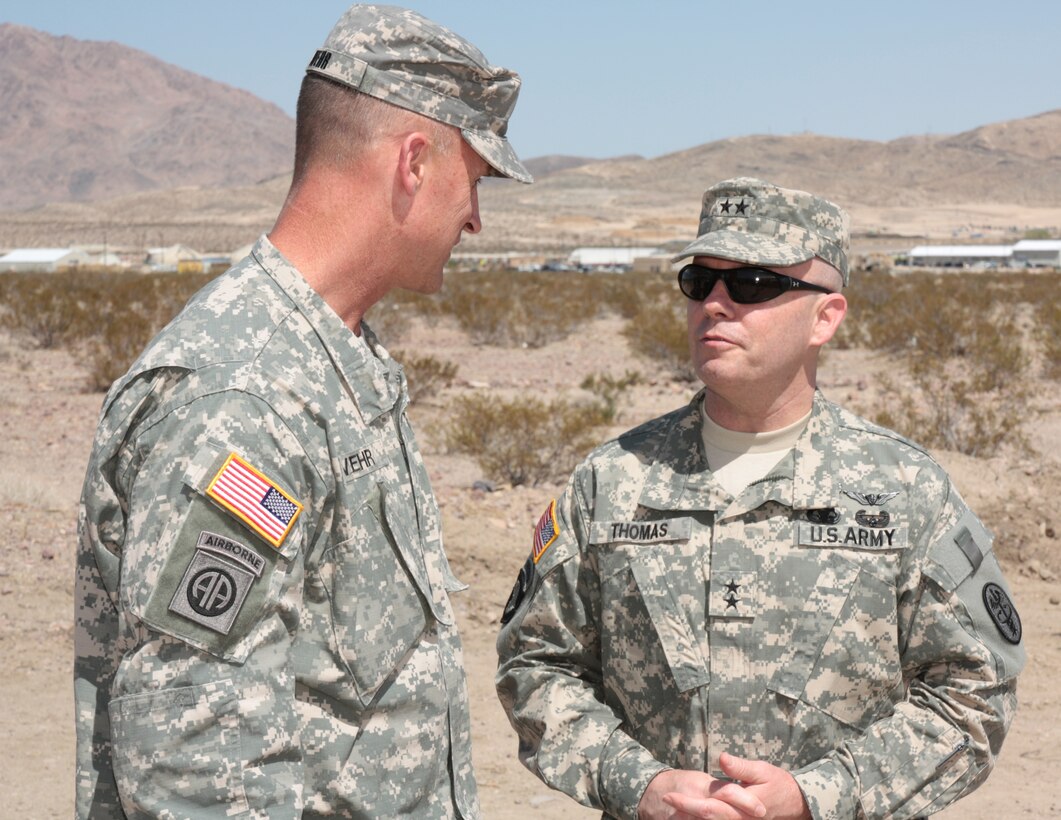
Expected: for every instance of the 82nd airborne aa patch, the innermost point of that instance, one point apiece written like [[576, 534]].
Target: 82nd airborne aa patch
[[546, 531], [213, 589]]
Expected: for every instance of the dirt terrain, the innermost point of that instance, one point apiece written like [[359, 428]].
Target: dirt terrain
[[47, 422]]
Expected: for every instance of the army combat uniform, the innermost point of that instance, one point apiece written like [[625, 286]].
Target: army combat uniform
[[843, 618], [263, 621]]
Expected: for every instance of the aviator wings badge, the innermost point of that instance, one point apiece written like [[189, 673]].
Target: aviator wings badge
[[866, 519]]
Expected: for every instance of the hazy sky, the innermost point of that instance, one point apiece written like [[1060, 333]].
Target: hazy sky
[[602, 78]]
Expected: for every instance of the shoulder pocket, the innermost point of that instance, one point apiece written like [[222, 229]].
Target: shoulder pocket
[[963, 564]]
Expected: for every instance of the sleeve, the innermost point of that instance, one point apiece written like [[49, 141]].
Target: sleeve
[[218, 501], [960, 639], [549, 676]]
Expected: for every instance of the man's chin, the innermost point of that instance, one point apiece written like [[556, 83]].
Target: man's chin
[[428, 286]]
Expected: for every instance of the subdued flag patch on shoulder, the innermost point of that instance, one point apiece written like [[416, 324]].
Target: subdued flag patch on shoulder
[[255, 499], [546, 531]]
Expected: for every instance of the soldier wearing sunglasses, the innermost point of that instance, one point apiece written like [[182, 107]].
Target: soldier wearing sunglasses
[[760, 604]]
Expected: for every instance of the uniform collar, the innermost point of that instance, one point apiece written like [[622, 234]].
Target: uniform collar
[[370, 374], [679, 477]]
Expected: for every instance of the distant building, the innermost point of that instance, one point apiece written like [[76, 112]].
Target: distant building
[[175, 258], [506, 260], [1038, 253], [42, 260], [961, 256], [608, 258], [656, 263]]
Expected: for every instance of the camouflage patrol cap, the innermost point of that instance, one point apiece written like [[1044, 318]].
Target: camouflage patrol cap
[[401, 57], [748, 220]]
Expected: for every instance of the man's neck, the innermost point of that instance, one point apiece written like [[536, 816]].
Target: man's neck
[[338, 260], [746, 415]]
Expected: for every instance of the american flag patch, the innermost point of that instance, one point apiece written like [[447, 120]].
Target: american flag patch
[[254, 499], [546, 531]]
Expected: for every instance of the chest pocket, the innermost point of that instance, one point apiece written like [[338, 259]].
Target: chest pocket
[[647, 640], [843, 655], [378, 603]]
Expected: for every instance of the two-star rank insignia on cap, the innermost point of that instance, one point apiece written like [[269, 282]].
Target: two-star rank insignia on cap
[[546, 531], [255, 499]]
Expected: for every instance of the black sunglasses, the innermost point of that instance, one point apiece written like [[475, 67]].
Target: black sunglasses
[[746, 286]]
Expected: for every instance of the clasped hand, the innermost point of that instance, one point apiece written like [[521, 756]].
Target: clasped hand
[[753, 789]]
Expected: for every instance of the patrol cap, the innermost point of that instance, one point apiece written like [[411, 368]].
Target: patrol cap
[[748, 220], [402, 58]]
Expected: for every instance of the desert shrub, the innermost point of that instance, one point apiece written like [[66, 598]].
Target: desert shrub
[[658, 330], [1038, 292], [127, 312], [518, 309], [626, 294], [525, 440], [68, 308], [426, 375], [960, 340], [105, 316], [49, 309], [1048, 332], [870, 320], [110, 354], [608, 389]]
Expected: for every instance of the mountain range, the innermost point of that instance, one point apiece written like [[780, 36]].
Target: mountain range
[[88, 120], [113, 142]]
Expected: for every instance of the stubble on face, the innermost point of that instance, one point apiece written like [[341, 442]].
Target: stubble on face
[[753, 357]]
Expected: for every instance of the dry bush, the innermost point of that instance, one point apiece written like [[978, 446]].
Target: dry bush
[[1039, 291], [426, 375], [50, 309], [512, 309], [626, 294], [608, 389], [964, 351], [106, 316], [389, 320], [658, 330], [870, 322], [526, 440], [132, 310], [110, 354]]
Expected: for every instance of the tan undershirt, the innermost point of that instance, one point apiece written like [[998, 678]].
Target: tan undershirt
[[738, 459]]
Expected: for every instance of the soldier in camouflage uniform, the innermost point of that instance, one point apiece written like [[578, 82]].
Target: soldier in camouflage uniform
[[761, 605], [263, 620]]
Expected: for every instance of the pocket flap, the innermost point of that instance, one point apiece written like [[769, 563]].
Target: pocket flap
[[682, 651], [411, 549]]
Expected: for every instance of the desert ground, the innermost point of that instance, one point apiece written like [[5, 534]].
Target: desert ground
[[47, 421]]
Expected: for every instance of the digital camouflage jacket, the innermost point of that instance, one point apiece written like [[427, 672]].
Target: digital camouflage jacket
[[263, 623], [844, 618]]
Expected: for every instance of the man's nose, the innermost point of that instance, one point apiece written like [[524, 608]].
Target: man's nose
[[474, 223]]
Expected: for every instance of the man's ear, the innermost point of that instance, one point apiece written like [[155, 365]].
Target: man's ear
[[830, 312], [412, 155]]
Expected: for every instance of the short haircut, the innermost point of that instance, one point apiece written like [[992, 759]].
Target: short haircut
[[333, 122]]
